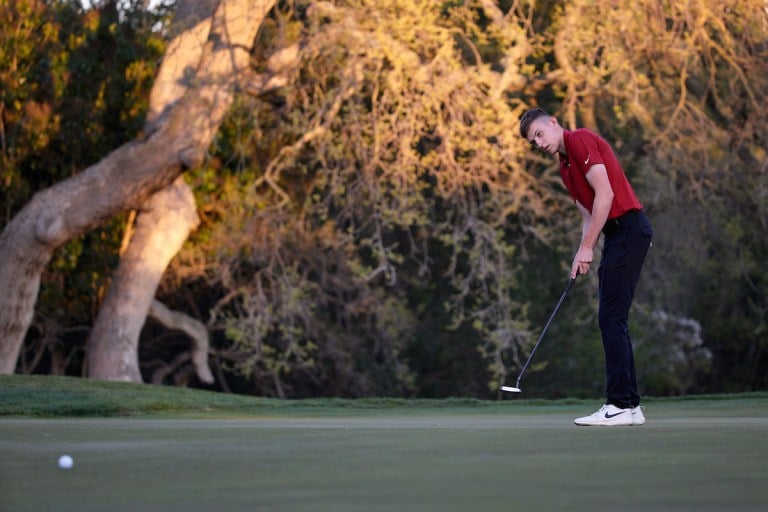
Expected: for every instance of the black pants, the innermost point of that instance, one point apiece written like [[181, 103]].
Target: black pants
[[626, 243]]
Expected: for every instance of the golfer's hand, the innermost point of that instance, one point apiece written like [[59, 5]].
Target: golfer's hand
[[581, 262]]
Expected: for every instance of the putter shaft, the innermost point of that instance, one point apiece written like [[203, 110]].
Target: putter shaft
[[517, 389]]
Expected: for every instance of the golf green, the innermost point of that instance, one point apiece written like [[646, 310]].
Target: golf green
[[698, 455]]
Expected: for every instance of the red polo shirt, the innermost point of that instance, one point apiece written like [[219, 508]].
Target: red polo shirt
[[585, 149]]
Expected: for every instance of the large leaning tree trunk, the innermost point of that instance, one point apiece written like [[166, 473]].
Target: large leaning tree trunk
[[159, 232], [165, 221], [128, 176], [161, 225]]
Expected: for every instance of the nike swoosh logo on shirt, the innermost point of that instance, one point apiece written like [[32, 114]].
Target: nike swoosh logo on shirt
[[587, 160]]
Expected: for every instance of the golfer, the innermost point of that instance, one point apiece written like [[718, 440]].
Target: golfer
[[608, 204]]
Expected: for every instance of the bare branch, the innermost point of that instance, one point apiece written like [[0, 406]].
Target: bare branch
[[193, 328]]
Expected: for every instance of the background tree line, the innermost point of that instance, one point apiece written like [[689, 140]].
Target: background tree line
[[369, 221]]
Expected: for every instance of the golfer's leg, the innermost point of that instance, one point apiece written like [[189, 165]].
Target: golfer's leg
[[638, 243], [619, 272], [612, 319]]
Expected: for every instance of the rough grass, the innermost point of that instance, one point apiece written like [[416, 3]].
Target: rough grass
[[55, 396]]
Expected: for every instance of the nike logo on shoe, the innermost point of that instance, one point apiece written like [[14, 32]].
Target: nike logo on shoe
[[608, 415]]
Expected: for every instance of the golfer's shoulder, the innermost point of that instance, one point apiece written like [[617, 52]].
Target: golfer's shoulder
[[584, 135], [588, 141]]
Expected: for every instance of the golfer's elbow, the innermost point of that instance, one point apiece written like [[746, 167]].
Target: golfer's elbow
[[605, 196]]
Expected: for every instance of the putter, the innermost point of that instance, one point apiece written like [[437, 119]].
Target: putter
[[516, 387]]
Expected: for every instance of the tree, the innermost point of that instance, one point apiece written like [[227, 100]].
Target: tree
[[74, 89], [112, 356], [369, 222], [391, 166], [75, 205]]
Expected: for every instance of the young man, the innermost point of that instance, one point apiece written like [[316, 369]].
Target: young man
[[597, 184]]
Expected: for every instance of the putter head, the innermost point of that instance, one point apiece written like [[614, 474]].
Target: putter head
[[510, 389]]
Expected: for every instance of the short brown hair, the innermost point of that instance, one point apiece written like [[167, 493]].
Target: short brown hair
[[529, 117]]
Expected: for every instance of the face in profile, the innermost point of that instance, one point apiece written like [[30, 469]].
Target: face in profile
[[545, 134]]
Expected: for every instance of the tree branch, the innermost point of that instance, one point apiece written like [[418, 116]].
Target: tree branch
[[191, 327]]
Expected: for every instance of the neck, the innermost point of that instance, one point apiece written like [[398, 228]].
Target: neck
[[561, 148]]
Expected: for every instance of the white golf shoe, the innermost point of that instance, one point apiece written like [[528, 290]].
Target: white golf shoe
[[638, 418], [608, 416]]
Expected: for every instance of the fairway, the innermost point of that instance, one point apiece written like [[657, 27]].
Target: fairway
[[697, 455]]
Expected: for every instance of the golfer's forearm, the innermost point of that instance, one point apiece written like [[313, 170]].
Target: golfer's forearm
[[597, 220], [585, 233], [589, 240]]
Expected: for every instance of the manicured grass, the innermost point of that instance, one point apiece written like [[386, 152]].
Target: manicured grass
[[169, 449]]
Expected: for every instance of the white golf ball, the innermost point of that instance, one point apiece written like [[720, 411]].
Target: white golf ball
[[66, 462]]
